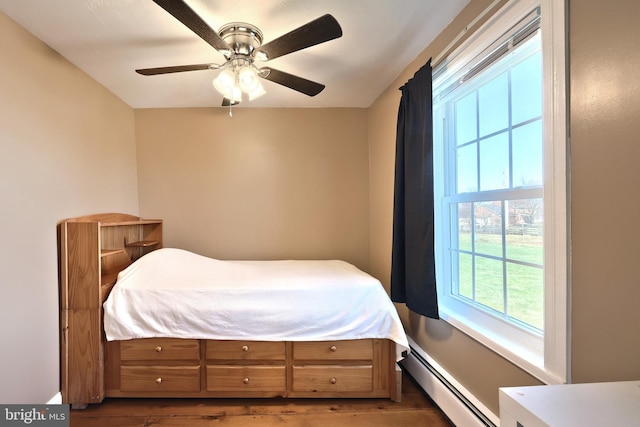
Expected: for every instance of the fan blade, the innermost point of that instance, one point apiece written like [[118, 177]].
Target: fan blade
[[315, 32], [183, 13], [174, 69], [293, 82], [226, 102]]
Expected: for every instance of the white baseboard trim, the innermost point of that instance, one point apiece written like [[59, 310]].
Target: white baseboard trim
[[459, 405], [56, 399]]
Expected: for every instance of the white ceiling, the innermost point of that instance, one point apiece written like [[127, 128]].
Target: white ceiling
[[109, 39]]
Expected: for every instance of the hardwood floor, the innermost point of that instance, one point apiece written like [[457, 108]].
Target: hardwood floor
[[416, 409]]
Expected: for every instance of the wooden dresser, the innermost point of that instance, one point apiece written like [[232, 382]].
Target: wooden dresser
[[170, 367]]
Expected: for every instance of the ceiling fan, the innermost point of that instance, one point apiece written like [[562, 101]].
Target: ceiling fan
[[241, 45]]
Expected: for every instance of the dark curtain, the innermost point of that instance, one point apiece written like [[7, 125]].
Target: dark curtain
[[413, 278]]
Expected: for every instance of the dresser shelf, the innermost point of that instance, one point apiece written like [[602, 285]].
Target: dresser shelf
[[142, 244], [108, 252]]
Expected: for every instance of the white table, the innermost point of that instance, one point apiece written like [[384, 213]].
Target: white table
[[611, 404]]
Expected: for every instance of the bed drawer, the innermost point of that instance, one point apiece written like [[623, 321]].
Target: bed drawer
[[160, 378], [245, 350], [332, 378], [160, 349], [333, 350], [235, 378]]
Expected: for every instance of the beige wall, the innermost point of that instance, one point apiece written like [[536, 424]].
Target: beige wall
[[605, 100], [605, 154], [67, 148], [263, 184]]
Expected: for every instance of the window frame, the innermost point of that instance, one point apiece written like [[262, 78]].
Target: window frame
[[546, 358]]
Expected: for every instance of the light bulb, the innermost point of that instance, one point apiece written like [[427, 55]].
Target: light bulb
[[248, 79], [235, 94], [224, 82], [257, 92]]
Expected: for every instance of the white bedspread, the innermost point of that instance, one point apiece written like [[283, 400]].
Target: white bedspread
[[178, 294]]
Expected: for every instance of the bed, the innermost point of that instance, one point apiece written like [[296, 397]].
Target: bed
[[179, 324]]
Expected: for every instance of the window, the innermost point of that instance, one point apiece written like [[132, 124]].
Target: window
[[501, 271]]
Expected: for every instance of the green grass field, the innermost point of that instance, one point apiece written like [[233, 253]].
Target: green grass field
[[525, 286]]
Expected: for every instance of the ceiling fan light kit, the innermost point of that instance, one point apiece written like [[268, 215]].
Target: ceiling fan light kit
[[241, 77], [241, 45]]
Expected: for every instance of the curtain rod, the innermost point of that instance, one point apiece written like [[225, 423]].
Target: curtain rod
[[447, 50]]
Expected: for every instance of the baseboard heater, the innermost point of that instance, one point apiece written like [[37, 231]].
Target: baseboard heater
[[458, 404]]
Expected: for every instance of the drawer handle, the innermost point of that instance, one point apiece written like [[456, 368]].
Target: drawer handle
[[245, 348], [333, 380], [158, 380], [158, 349], [333, 348], [246, 380]]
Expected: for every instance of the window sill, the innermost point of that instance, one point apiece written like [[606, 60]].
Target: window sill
[[523, 357]]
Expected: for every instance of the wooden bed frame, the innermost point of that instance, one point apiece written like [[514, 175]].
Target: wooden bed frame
[[93, 249]]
